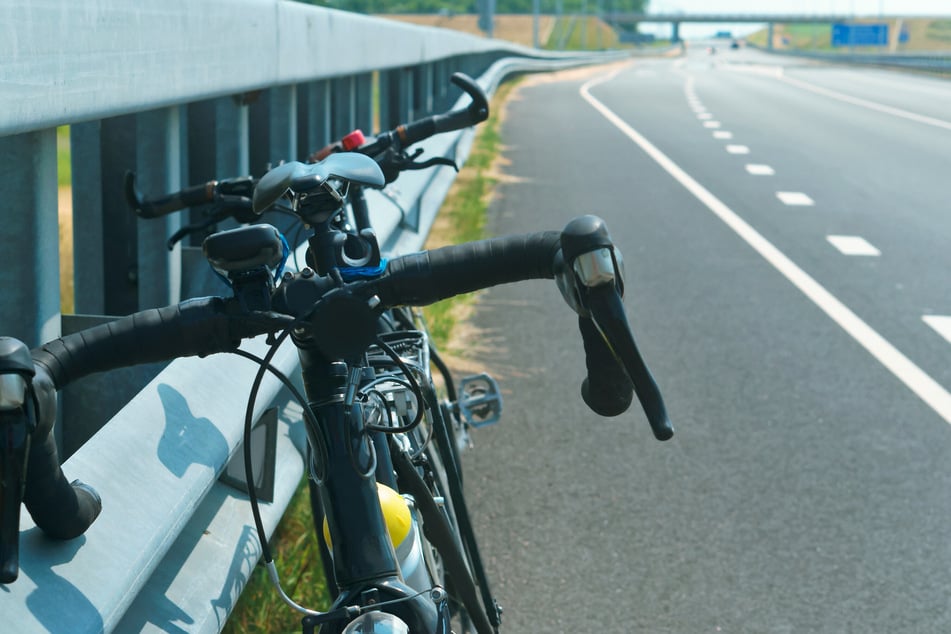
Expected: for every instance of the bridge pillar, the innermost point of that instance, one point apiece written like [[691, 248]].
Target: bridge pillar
[[29, 277], [674, 32]]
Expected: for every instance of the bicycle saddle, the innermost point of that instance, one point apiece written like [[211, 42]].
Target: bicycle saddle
[[301, 177]]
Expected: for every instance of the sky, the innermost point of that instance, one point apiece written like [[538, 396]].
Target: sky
[[843, 7]]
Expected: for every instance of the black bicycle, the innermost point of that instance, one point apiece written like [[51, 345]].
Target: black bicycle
[[373, 420], [230, 198]]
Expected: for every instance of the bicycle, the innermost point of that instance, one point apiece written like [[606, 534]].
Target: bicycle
[[365, 405], [349, 239], [230, 198]]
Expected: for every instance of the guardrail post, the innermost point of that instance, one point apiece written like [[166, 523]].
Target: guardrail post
[[29, 277], [343, 115], [363, 102], [423, 94], [313, 117], [273, 131], [396, 93], [105, 245], [158, 166], [218, 148]]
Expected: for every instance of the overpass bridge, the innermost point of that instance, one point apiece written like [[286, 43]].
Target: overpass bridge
[[627, 18]]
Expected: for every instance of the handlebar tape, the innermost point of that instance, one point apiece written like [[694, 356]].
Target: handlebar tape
[[194, 327], [424, 128], [196, 195], [60, 509], [607, 389], [422, 278]]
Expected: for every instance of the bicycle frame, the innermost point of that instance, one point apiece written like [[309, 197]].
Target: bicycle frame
[[364, 562]]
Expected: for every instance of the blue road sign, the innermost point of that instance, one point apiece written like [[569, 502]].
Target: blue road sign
[[859, 34]]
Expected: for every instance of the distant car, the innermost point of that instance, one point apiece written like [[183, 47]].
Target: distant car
[[734, 44]]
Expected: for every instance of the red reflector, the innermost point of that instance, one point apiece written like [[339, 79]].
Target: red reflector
[[353, 140]]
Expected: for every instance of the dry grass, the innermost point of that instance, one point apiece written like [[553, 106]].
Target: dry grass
[[66, 294], [513, 28], [924, 34]]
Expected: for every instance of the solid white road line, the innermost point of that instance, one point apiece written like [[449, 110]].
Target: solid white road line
[[737, 149], [722, 134], [940, 323], [864, 103], [853, 245], [919, 382], [795, 198], [759, 170]]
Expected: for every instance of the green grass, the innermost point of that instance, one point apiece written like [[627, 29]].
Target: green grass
[[939, 30], [64, 173], [297, 556], [64, 168], [462, 216], [582, 34]]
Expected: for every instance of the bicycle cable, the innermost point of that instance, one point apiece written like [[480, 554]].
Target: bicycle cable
[[414, 386], [264, 366]]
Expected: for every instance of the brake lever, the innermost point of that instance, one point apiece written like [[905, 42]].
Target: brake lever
[[17, 423], [591, 281], [421, 165], [607, 312]]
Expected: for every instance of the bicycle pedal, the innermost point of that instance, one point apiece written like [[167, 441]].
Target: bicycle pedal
[[480, 401]]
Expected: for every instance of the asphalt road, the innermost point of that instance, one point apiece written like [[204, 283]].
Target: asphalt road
[[808, 487]]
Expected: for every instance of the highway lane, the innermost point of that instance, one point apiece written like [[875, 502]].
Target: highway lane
[[807, 488], [867, 172]]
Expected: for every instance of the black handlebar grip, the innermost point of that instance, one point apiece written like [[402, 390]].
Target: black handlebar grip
[[607, 389], [476, 112], [194, 327], [422, 278], [164, 205], [417, 131], [62, 510]]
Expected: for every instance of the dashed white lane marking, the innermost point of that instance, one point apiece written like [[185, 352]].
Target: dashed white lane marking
[[722, 134], [871, 105], [760, 170], [940, 323], [903, 368], [737, 149], [853, 245], [795, 198], [704, 115], [711, 124]]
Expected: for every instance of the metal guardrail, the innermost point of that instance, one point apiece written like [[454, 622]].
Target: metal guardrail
[[185, 91], [937, 63]]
